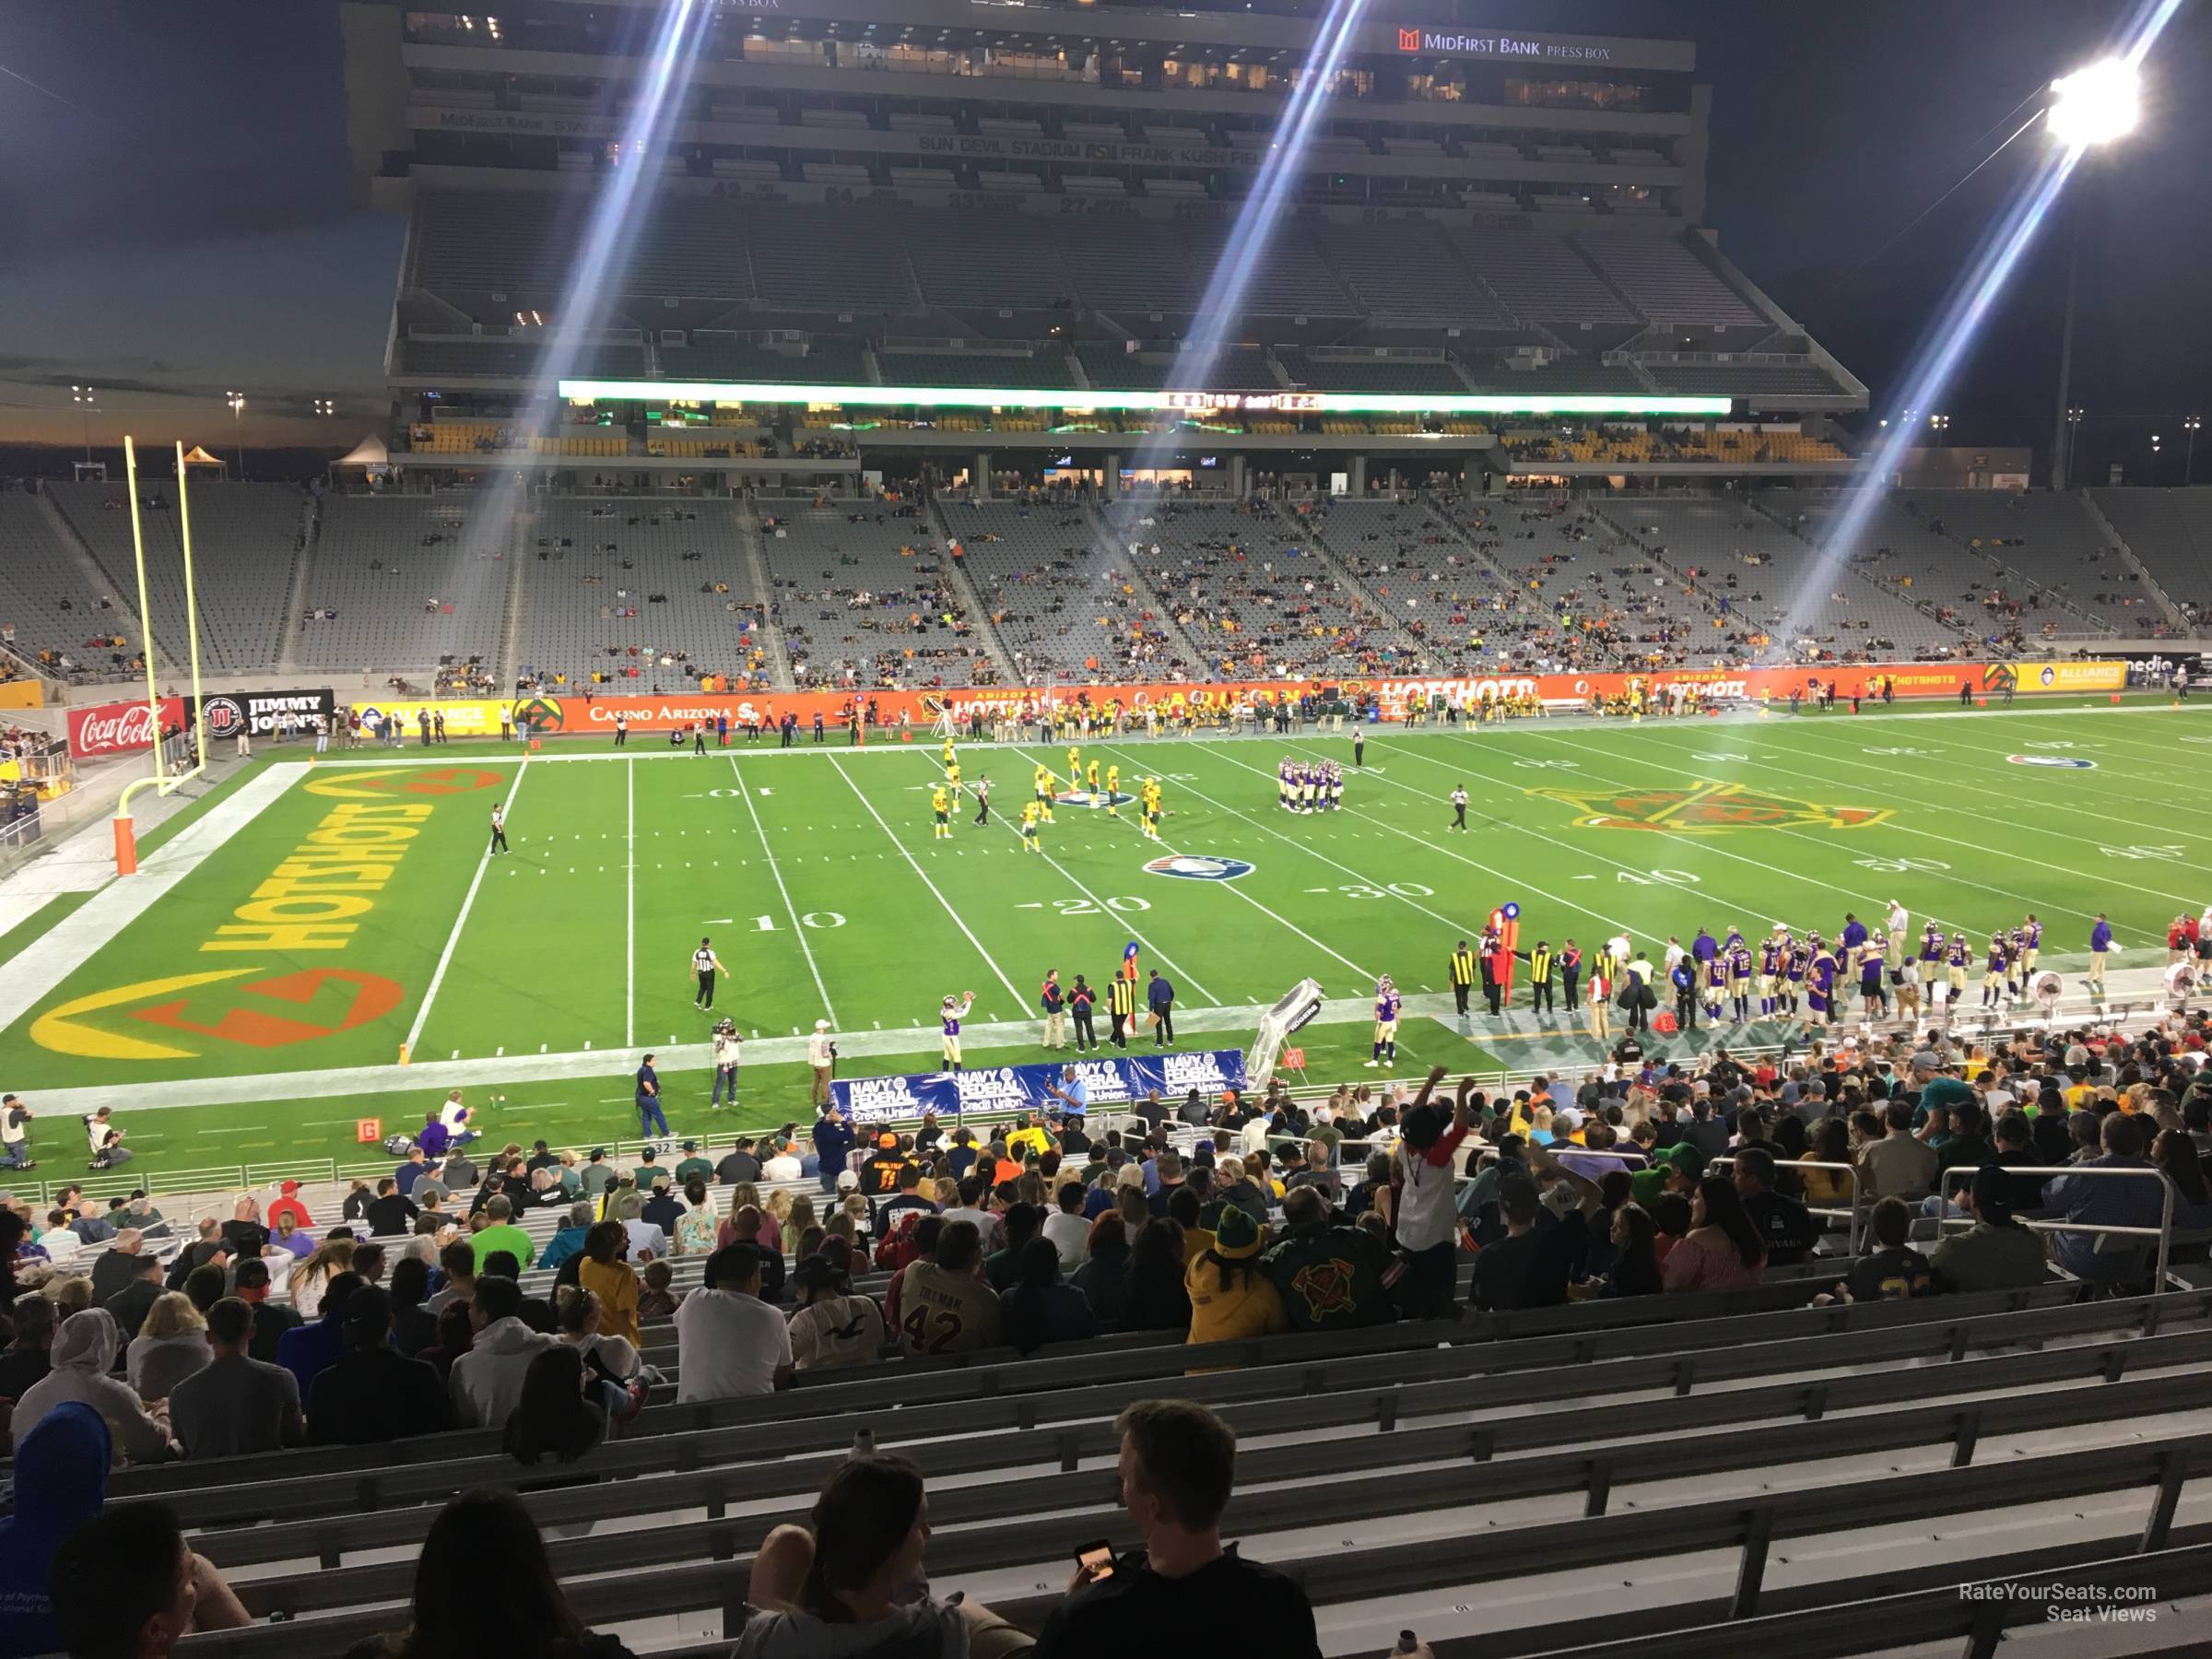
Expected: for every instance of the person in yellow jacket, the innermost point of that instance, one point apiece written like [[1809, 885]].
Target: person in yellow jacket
[[1230, 1297]]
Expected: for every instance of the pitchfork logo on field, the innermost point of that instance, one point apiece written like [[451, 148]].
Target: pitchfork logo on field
[[1707, 808], [1198, 867]]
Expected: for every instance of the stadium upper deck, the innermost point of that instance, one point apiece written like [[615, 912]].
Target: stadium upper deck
[[914, 207]]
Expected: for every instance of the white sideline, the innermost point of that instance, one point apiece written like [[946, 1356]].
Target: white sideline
[[468, 903], [73, 941]]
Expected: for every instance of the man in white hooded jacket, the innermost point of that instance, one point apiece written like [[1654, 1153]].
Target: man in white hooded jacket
[[487, 1382]]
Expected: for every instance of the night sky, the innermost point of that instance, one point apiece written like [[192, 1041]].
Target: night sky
[[178, 222]]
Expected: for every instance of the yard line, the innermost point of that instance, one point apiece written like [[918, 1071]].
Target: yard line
[[1695, 846], [1986, 851], [1516, 882], [629, 909], [789, 908], [2015, 801], [1283, 921], [1104, 909], [1020, 1002], [445, 957], [1949, 923], [1307, 848]]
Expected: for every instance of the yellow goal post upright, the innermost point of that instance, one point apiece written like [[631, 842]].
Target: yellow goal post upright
[[160, 781]]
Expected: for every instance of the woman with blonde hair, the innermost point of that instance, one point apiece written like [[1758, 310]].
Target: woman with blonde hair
[[775, 1216], [169, 1347], [857, 1212], [578, 1314], [802, 1215], [307, 1281], [946, 1191]]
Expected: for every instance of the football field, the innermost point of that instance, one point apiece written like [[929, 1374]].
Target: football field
[[245, 998]]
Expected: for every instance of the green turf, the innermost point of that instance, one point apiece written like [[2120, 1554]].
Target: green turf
[[817, 875]]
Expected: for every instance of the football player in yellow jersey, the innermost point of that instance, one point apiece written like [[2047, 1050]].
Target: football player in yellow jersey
[[953, 778], [1090, 778], [942, 806], [1074, 766], [1113, 784], [1044, 792], [1151, 808], [949, 756], [1029, 815]]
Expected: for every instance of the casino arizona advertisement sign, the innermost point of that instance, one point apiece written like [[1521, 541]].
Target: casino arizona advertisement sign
[[1393, 695]]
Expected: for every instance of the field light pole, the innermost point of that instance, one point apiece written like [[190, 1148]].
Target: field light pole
[[2189, 455], [2089, 109], [86, 400], [237, 400]]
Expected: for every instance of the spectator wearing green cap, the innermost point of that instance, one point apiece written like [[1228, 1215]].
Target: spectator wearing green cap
[[1231, 1297]]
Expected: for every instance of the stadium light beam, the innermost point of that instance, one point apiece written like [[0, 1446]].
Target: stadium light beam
[[1987, 277], [607, 248], [1261, 211], [2096, 105]]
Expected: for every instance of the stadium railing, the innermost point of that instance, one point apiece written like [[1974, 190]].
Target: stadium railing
[[691, 1566], [2163, 1233]]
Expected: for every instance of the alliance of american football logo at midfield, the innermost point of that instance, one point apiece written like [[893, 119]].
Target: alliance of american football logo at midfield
[[1198, 867], [1707, 808]]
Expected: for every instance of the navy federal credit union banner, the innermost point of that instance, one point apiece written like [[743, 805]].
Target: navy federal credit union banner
[[1115, 1081]]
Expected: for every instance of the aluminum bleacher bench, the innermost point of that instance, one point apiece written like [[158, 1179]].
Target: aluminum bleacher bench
[[634, 1573]]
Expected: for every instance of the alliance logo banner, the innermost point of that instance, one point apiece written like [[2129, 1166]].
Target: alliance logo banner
[[1110, 1082]]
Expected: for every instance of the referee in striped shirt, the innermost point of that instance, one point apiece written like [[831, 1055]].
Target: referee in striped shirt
[[705, 965]]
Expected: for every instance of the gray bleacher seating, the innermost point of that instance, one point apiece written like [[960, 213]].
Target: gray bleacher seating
[[1044, 369], [1455, 1450], [2171, 532], [587, 562], [1776, 576], [1058, 600], [47, 598], [1898, 548], [1753, 380], [1218, 563], [2053, 540], [820, 560], [1668, 283], [1538, 277], [372, 569], [988, 259], [717, 354], [1410, 276], [246, 548], [1372, 374]]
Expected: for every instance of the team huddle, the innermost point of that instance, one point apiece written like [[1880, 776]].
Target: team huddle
[[1308, 787], [1104, 786]]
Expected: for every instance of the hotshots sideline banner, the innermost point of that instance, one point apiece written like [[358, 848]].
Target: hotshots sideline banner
[[1118, 1080], [1393, 695]]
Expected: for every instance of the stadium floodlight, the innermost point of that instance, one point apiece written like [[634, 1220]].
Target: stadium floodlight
[[2095, 105]]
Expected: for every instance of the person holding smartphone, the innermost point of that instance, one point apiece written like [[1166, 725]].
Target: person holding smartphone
[[1178, 1467]]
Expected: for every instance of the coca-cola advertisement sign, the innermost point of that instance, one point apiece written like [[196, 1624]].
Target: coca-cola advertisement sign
[[121, 728]]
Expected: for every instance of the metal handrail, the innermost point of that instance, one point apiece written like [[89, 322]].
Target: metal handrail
[[1856, 1216], [2163, 1233]]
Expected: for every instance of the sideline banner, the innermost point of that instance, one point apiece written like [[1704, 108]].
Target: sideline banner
[[1111, 1082], [573, 715], [24, 693], [476, 718], [224, 714], [2098, 675], [122, 728]]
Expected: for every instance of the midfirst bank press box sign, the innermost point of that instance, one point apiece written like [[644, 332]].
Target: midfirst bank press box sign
[[1117, 1081]]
